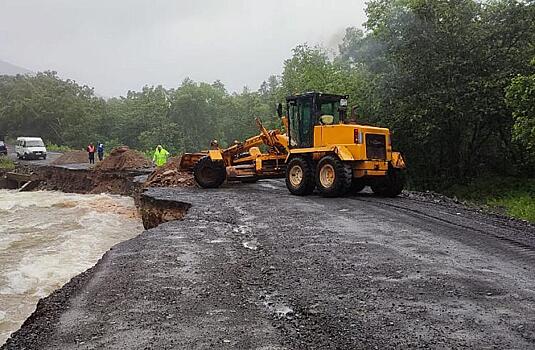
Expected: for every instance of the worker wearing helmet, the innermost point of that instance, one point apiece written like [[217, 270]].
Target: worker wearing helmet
[[160, 156]]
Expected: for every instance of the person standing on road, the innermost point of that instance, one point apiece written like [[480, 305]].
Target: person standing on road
[[91, 153], [100, 151], [160, 156]]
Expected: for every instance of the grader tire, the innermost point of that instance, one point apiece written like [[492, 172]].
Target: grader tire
[[390, 185], [333, 177], [209, 174], [300, 176]]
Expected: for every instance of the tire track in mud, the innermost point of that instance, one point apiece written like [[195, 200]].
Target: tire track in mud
[[517, 245]]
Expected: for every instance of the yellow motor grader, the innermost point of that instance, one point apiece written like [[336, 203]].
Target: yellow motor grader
[[322, 149]]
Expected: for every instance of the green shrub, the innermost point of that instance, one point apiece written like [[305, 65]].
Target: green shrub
[[512, 196], [6, 163], [57, 148]]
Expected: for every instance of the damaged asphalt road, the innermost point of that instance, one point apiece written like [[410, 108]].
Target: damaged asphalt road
[[252, 267]]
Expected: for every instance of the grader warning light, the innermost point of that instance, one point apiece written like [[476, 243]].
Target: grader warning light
[[320, 150]]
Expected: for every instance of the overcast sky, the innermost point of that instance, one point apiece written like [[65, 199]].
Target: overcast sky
[[117, 45]]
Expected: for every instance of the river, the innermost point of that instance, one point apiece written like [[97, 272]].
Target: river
[[46, 238]]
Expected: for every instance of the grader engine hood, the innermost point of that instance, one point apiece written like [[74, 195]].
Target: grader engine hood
[[361, 141]]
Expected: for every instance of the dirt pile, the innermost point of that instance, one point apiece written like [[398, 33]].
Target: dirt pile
[[170, 175], [123, 158], [72, 157]]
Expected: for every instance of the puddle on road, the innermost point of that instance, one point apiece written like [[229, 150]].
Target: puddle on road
[[253, 245], [46, 238], [266, 185]]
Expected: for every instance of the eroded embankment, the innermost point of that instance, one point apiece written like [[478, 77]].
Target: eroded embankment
[[89, 181], [76, 178], [153, 212], [157, 211]]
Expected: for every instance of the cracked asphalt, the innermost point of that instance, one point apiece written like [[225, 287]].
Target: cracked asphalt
[[252, 267]]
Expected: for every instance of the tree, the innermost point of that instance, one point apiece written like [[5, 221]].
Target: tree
[[521, 98], [438, 72]]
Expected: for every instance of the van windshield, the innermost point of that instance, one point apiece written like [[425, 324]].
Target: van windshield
[[35, 143]]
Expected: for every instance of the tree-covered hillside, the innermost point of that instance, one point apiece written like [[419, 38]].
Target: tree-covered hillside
[[454, 80]]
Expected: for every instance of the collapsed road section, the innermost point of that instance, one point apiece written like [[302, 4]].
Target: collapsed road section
[[300, 273]]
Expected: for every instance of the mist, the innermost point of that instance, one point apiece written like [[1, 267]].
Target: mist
[[120, 45]]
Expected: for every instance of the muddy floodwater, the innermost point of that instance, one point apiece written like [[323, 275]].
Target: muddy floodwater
[[46, 238]]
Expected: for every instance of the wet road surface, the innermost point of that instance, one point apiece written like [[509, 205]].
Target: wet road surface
[[50, 157], [252, 267]]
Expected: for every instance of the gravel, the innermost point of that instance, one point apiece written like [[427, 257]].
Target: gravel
[[252, 267]]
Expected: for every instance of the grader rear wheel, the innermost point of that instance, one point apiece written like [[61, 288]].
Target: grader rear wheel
[[209, 174], [333, 177], [300, 176]]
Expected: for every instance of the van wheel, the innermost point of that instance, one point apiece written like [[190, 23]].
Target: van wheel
[[333, 177], [300, 177]]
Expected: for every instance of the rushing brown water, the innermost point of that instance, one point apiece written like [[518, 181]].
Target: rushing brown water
[[46, 238]]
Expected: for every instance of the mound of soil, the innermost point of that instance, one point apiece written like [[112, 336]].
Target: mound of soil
[[169, 175], [123, 158], [72, 157]]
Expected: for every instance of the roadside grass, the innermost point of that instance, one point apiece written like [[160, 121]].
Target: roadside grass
[[508, 195], [58, 148], [6, 163]]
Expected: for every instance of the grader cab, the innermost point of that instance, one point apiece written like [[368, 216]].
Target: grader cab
[[323, 148]]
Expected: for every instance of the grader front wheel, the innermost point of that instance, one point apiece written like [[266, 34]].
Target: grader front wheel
[[209, 174]]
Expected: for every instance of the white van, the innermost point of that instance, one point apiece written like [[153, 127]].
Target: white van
[[30, 148]]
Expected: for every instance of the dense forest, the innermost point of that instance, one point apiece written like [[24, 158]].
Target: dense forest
[[454, 80]]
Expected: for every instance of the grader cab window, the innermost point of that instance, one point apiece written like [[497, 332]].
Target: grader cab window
[[305, 111], [293, 124], [307, 124], [330, 108], [301, 123]]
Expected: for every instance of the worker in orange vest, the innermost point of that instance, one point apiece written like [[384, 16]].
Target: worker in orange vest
[[91, 153]]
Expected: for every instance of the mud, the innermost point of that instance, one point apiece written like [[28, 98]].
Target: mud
[[288, 272], [87, 181], [124, 159], [72, 157], [170, 175]]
